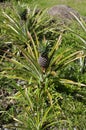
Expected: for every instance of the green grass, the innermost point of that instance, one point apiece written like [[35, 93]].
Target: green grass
[[79, 5]]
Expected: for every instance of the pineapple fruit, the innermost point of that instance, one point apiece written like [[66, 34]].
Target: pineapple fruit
[[43, 59]]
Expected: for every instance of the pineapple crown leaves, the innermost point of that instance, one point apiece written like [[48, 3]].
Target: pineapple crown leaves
[[44, 47]]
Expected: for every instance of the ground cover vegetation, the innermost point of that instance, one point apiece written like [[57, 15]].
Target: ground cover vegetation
[[42, 70]]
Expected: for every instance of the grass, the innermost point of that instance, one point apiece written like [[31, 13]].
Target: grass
[[79, 5]]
